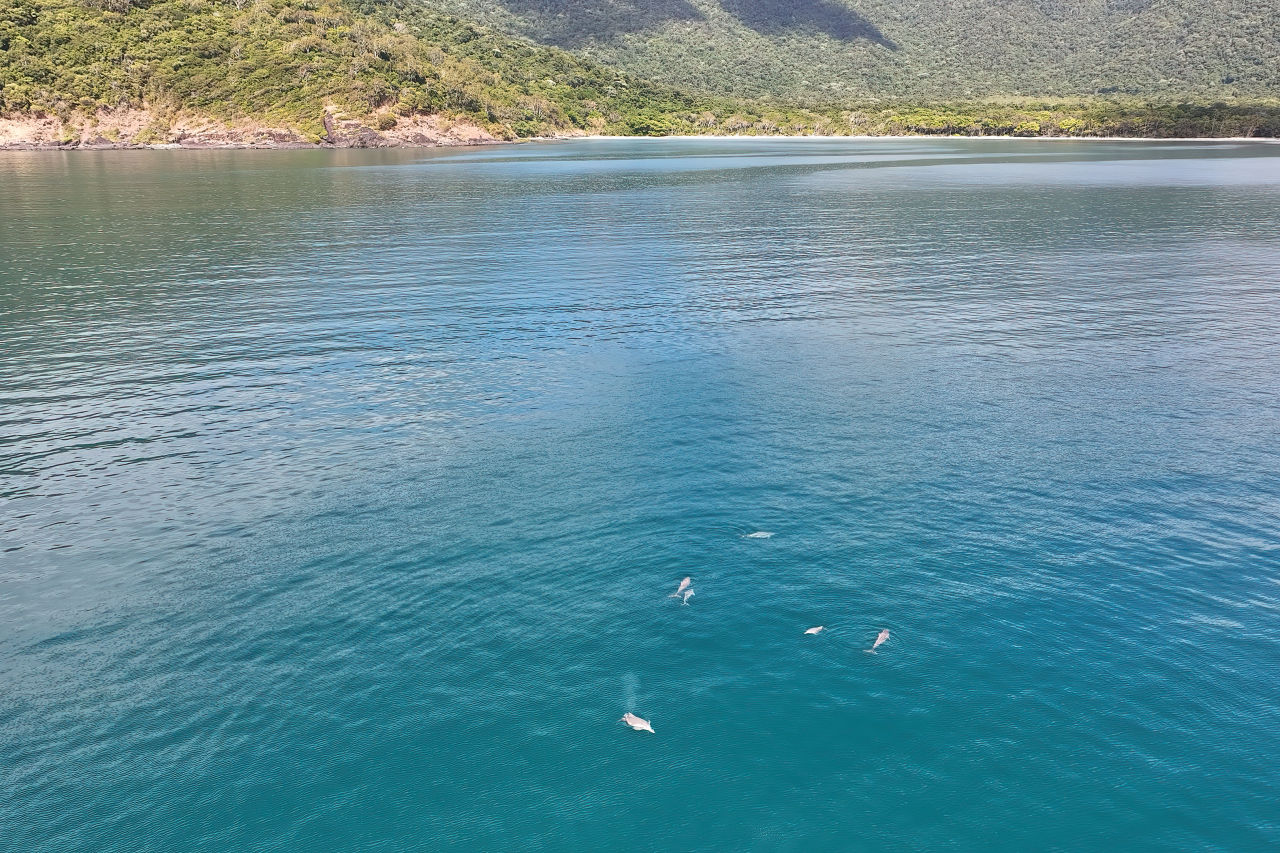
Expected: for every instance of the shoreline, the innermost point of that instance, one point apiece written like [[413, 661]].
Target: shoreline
[[382, 142], [958, 136], [150, 128], [245, 146], [291, 145]]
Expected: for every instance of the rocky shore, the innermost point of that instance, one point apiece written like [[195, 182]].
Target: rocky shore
[[149, 129]]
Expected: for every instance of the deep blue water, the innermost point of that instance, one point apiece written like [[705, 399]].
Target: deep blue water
[[341, 495]]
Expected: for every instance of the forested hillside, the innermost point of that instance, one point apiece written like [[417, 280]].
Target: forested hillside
[[288, 61], [843, 50], [374, 72]]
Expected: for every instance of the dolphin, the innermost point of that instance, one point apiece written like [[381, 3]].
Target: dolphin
[[687, 594], [815, 630], [684, 584], [636, 723], [880, 638], [759, 534]]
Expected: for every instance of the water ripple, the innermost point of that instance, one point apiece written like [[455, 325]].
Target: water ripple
[[342, 493]]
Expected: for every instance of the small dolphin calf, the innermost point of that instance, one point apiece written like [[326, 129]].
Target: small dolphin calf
[[880, 638], [684, 584], [759, 534], [815, 630], [636, 723], [688, 593]]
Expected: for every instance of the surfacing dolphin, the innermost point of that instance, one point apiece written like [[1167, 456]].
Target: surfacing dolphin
[[637, 723], [880, 638], [684, 584], [816, 629]]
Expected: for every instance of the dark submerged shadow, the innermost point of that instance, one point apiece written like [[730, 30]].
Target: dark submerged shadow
[[770, 17]]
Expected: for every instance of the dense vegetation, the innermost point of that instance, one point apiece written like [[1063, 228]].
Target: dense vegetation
[[849, 50], [285, 62]]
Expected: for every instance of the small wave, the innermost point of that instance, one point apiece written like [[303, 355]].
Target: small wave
[[1212, 621]]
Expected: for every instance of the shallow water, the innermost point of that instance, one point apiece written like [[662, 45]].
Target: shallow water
[[341, 494]]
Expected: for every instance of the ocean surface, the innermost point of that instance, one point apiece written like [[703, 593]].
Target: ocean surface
[[342, 494]]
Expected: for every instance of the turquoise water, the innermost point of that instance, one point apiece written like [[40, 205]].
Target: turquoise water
[[342, 493]]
